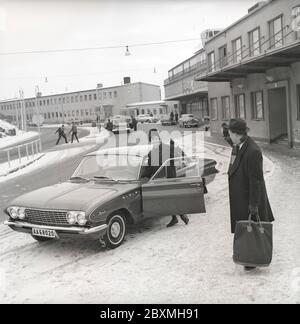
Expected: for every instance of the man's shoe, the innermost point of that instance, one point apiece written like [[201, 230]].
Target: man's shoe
[[185, 219], [249, 268], [173, 222]]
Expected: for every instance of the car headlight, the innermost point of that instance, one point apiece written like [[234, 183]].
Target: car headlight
[[21, 213], [81, 220], [74, 217], [13, 212]]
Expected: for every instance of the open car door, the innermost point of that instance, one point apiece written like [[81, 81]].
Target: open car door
[[181, 194]]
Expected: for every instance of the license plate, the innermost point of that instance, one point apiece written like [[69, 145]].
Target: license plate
[[44, 232]]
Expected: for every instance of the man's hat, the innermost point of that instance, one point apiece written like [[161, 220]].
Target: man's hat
[[238, 126]]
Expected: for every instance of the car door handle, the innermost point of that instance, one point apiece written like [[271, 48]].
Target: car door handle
[[198, 185]]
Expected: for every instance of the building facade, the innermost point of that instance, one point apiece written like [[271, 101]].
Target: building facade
[[181, 85], [159, 109], [253, 72], [81, 105]]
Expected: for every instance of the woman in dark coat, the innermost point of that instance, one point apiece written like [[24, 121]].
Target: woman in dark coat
[[247, 189]]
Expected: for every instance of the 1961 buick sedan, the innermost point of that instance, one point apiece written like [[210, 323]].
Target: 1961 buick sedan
[[105, 195]]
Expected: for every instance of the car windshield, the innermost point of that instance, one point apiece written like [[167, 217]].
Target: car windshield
[[109, 167]]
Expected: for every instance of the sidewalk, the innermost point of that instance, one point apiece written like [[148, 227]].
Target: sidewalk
[[21, 137], [57, 154]]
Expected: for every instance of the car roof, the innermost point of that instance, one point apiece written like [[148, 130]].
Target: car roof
[[135, 150]]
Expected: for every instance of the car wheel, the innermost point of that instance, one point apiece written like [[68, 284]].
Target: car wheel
[[41, 239], [116, 231]]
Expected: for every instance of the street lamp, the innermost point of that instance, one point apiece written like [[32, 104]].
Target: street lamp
[[37, 94], [23, 113]]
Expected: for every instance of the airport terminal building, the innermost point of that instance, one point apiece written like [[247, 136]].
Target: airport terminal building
[[84, 105], [253, 72]]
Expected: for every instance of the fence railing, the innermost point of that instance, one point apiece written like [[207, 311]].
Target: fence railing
[[262, 45], [20, 154]]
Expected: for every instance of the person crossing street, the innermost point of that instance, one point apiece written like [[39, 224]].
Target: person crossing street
[[61, 134], [74, 131]]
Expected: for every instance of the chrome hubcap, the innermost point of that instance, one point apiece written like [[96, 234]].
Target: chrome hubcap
[[115, 230]]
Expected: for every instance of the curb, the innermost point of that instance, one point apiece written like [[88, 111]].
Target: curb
[[22, 166]]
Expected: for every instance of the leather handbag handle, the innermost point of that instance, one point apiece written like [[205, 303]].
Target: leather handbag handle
[[249, 227]]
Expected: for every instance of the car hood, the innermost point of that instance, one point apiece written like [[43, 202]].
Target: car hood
[[71, 196]]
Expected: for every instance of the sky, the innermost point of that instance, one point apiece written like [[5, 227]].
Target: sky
[[39, 25]]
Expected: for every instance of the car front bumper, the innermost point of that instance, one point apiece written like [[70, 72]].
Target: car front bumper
[[62, 232]]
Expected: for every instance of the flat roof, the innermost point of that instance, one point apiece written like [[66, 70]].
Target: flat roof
[[79, 91], [260, 7]]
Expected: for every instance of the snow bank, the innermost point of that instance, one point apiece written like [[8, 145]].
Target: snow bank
[[7, 126]]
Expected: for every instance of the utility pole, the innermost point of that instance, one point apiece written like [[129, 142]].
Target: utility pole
[[37, 107], [23, 112]]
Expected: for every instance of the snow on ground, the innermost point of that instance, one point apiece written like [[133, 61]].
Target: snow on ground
[[64, 152], [184, 264], [21, 137], [17, 165]]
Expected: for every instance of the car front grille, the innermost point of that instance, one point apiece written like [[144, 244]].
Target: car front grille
[[47, 217]]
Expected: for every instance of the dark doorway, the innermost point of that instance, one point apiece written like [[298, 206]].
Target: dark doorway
[[278, 113]]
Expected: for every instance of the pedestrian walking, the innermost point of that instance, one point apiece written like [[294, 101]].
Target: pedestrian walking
[[225, 131], [109, 125], [176, 118], [134, 123], [61, 134], [172, 116], [247, 189], [159, 154], [74, 132]]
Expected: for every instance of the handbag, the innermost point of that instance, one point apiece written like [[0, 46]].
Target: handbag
[[253, 243]]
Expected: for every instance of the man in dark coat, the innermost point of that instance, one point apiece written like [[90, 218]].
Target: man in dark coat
[[159, 154], [134, 123], [225, 131], [74, 132], [61, 134], [109, 125], [247, 189]]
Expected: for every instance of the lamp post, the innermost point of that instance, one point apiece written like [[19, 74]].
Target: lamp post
[[23, 112], [37, 94]]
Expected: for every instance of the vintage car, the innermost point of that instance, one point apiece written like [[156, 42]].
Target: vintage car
[[108, 191], [145, 118], [188, 120], [121, 124]]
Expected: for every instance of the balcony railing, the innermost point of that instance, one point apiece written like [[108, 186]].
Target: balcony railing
[[193, 68], [262, 45]]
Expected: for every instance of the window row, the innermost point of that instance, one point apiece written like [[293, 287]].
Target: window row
[[62, 100], [257, 107], [253, 48], [188, 65], [73, 113]]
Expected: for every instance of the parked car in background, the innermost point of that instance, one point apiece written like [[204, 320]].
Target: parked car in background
[[145, 118], [121, 124], [188, 120], [109, 190], [166, 121]]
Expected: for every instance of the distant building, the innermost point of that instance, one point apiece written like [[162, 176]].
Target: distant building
[[253, 71], [83, 105], [159, 109], [181, 85]]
